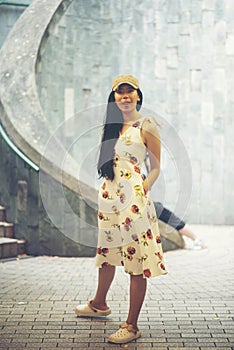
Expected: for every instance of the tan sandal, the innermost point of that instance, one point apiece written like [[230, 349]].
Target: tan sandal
[[89, 311], [125, 334]]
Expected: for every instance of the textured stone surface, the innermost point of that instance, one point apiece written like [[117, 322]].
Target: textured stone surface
[[31, 221], [27, 126], [24, 119], [189, 308], [182, 53], [8, 16]]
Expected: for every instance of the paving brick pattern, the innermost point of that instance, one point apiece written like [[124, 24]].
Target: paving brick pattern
[[190, 308]]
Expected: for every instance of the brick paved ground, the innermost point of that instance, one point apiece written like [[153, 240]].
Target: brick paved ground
[[190, 308]]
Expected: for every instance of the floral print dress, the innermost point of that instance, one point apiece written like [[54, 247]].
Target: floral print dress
[[128, 228]]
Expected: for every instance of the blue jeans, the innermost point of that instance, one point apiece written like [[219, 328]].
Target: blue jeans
[[168, 217]]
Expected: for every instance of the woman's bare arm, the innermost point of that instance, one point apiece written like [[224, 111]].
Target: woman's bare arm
[[151, 139]]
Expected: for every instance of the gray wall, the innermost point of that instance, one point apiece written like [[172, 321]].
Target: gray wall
[[182, 51], [21, 186], [20, 192], [8, 16], [52, 211]]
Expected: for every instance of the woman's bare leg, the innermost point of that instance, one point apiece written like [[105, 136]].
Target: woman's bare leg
[[138, 286], [198, 242], [186, 231], [105, 277]]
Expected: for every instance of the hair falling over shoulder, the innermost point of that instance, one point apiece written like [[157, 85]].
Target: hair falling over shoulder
[[112, 126]]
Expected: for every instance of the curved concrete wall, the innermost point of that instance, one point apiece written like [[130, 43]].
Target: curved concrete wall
[[24, 120], [182, 52], [61, 197], [8, 16]]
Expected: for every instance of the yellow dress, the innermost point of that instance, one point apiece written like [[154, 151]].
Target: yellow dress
[[128, 228]]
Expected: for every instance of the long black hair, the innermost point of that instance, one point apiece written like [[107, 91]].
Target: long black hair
[[112, 127]]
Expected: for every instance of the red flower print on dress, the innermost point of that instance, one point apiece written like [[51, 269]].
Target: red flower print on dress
[[147, 273], [162, 266], [158, 239], [127, 224], [100, 215], [135, 209], [136, 124], [105, 264], [149, 233], [99, 250], [102, 251], [103, 185], [126, 227], [133, 160], [122, 197], [105, 250], [128, 220], [105, 194], [137, 169], [135, 237], [131, 250], [159, 255]]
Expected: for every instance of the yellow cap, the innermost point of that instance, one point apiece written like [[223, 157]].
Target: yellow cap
[[125, 79]]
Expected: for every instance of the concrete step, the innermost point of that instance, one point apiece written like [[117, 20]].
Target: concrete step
[[2, 213], [6, 229], [21, 246], [8, 248], [11, 247]]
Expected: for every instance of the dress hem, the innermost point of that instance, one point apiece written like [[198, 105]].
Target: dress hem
[[99, 266]]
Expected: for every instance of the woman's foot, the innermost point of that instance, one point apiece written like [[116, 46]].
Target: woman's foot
[[125, 334], [89, 310], [198, 244], [102, 307]]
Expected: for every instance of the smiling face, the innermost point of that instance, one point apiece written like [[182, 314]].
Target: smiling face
[[126, 98]]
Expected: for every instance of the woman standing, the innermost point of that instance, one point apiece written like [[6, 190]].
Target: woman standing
[[128, 229]]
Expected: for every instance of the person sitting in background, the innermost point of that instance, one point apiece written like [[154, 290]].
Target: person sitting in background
[[171, 219]]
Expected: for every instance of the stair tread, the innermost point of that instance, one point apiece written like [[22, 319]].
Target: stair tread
[[4, 240], [5, 223]]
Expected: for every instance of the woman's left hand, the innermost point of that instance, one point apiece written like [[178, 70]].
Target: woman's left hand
[[145, 185]]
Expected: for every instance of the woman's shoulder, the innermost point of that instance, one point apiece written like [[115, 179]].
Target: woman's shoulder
[[150, 124], [150, 118]]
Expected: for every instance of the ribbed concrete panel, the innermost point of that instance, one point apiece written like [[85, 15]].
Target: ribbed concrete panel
[[182, 52]]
